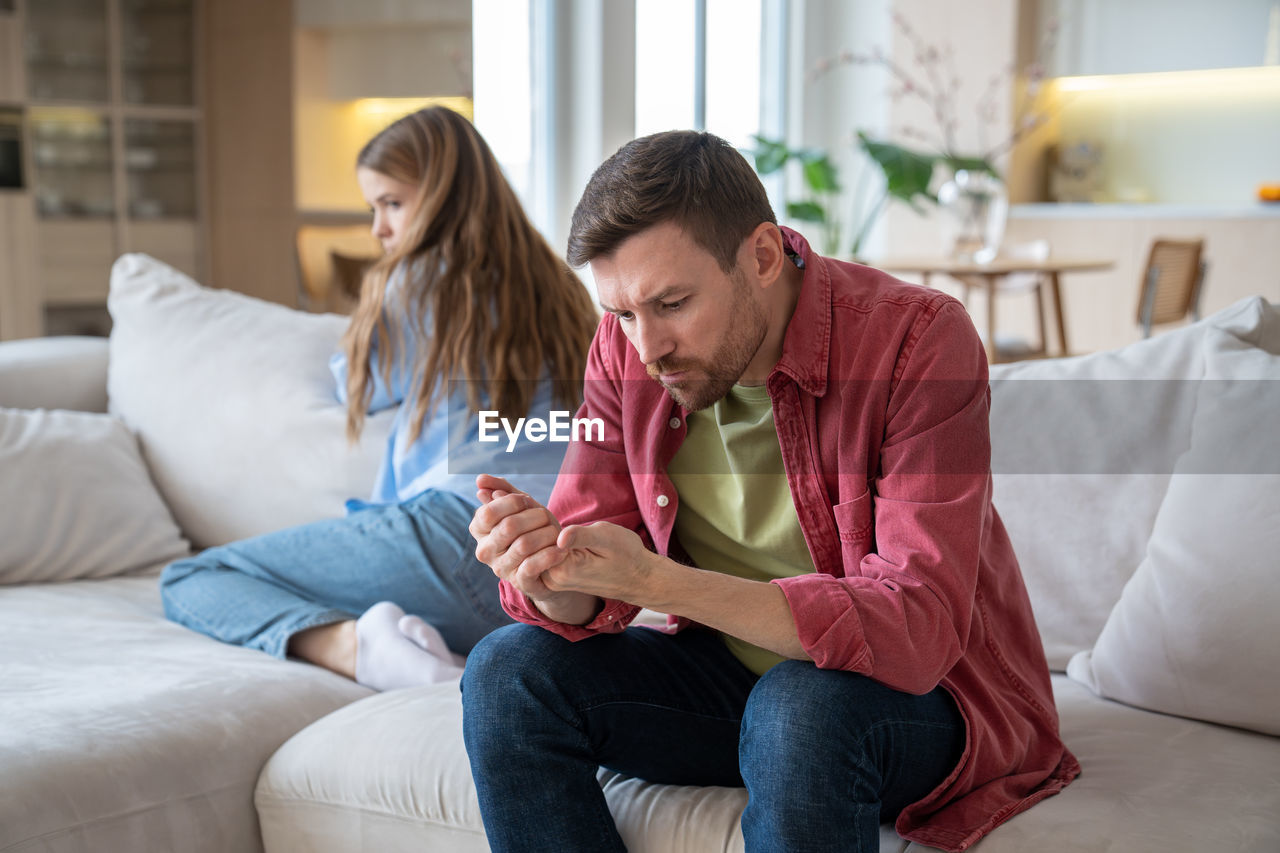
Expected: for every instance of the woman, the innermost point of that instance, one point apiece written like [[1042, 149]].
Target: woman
[[469, 309]]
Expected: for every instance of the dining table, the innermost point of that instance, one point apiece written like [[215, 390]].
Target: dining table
[[990, 275]]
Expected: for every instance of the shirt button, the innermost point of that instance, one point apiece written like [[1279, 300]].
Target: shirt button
[[609, 618], [663, 500], [674, 423]]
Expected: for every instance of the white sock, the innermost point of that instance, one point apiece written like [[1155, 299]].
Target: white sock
[[425, 635], [386, 659]]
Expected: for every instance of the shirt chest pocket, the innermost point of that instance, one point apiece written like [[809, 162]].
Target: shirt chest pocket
[[854, 519]]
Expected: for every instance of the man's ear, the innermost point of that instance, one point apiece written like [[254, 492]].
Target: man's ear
[[767, 253]]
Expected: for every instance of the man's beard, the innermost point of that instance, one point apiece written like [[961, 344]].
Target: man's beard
[[713, 378]]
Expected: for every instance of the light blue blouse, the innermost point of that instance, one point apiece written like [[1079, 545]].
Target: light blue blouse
[[448, 453]]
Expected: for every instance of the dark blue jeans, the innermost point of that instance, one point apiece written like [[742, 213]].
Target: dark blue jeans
[[826, 756]]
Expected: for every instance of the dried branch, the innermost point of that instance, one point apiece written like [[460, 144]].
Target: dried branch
[[934, 81]]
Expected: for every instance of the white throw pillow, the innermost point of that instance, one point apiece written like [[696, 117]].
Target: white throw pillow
[[234, 404], [78, 502], [1197, 630], [1082, 451]]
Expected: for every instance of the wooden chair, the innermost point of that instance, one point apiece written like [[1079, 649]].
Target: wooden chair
[[331, 264], [1172, 283]]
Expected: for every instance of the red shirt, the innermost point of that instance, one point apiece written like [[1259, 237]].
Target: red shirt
[[881, 405]]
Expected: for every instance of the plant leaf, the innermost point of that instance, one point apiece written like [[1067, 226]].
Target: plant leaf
[[971, 164], [770, 155], [820, 174], [907, 173], [806, 211]]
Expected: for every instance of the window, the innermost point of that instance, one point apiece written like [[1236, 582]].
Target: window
[[544, 71], [666, 65], [734, 49], [502, 80], [698, 65]]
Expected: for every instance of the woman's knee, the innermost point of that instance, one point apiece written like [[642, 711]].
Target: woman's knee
[[178, 571], [184, 584]]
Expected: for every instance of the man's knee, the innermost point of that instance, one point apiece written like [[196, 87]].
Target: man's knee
[[842, 725], [789, 717], [509, 688], [508, 656]]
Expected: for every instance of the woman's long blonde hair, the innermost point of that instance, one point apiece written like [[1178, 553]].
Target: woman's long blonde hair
[[504, 310]]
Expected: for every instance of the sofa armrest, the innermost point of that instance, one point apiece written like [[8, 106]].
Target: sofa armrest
[[54, 373]]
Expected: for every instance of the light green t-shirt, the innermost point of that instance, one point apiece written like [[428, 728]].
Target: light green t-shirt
[[736, 514]]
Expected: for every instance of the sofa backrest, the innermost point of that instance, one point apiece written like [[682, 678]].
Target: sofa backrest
[[54, 373]]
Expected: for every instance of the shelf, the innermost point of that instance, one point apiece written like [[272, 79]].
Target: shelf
[[142, 171], [35, 105], [160, 112], [73, 167], [157, 7], [74, 217], [163, 216], [183, 68], [112, 122], [165, 219], [75, 65]]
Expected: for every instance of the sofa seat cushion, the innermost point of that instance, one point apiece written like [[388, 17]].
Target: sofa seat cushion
[[1151, 783], [390, 773], [120, 731]]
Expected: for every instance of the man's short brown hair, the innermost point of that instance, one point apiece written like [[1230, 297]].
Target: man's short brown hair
[[695, 180]]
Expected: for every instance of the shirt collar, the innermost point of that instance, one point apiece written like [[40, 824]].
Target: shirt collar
[[806, 347]]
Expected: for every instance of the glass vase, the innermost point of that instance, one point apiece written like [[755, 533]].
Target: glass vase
[[976, 207]]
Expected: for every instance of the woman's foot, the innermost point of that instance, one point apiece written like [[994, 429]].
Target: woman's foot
[[386, 658], [425, 635]]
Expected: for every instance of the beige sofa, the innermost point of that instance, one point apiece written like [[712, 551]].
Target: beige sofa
[[1142, 510]]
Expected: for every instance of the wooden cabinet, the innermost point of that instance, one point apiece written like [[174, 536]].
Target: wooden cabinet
[[11, 70], [107, 97], [20, 307], [1137, 36]]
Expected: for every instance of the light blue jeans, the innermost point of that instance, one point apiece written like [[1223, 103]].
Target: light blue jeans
[[261, 591]]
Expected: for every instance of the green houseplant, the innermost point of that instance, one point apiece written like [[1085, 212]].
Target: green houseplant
[[821, 180], [906, 175]]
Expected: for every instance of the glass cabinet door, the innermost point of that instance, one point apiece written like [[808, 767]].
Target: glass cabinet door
[[157, 51], [71, 152], [66, 47], [159, 159]]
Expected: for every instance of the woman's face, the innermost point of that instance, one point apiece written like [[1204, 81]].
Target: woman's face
[[391, 202]]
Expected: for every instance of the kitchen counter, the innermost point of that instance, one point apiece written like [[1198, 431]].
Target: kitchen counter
[[1182, 210]]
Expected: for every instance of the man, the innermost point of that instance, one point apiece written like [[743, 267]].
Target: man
[[795, 466]]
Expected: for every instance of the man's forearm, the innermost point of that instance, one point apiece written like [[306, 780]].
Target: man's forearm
[[754, 611]]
